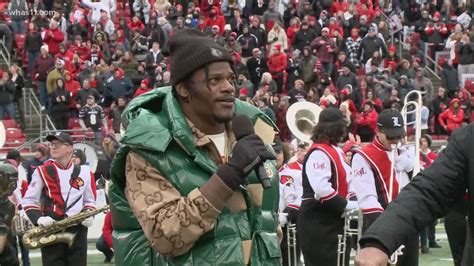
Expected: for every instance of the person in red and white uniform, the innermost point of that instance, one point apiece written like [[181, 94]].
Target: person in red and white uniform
[[63, 190], [325, 189], [372, 170], [291, 191]]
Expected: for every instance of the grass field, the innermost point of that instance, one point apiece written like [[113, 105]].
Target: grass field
[[437, 257]]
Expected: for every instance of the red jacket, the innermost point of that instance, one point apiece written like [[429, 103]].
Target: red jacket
[[54, 40], [367, 119], [73, 87], [140, 91], [427, 159], [277, 63], [82, 50], [219, 21], [107, 230], [451, 120], [136, 26]]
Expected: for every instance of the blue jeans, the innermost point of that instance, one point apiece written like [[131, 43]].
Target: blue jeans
[[97, 137], [43, 92], [328, 67], [8, 108], [18, 26], [31, 59]]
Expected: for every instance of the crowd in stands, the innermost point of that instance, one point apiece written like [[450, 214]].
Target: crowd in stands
[[88, 59]]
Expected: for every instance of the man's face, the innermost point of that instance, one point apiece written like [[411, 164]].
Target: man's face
[[86, 84], [348, 157], [59, 149], [213, 99], [121, 102], [423, 143], [456, 105], [300, 153], [90, 101], [345, 70], [38, 155], [342, 57], [386, 141]]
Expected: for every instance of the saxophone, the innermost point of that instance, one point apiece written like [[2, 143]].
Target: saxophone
[[39, 236]]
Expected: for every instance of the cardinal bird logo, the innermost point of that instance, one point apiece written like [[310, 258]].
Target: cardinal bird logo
[[76, 183]]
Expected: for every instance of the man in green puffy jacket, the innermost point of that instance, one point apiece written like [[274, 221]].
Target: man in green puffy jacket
[[184, 189]]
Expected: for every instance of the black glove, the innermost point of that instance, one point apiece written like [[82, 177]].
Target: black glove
[[248, 153]]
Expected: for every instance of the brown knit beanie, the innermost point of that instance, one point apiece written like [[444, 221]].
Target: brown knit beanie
[[191, 50]]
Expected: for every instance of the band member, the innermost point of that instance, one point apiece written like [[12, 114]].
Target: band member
[[183, 179], [325, 188], [373, 169], [64, 190], [291, 191], [8, 179]]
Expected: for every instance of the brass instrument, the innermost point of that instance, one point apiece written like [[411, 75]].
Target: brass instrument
[[20, 225], [291, 243], [348, 233], [417, 123], [301, 118], [39, 236]]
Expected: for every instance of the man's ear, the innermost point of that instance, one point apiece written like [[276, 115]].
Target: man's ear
[[182, 91]]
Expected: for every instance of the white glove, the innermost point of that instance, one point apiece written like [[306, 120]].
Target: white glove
[[45, 221], [23, 214], [351, 206], [282, 218], [88, 222]]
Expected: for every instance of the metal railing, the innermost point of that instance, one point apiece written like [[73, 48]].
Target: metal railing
[[4, 53], [428, 59]]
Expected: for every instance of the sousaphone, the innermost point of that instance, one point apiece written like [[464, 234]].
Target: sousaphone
[[301, 118]]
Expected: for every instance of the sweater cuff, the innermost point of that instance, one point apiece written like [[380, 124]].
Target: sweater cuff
[[216, 192], [335, 202], [373, 243], [34, 215]]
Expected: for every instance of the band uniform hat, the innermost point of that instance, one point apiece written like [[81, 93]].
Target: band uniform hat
[[62, 137], [391, 123], [191, 50]]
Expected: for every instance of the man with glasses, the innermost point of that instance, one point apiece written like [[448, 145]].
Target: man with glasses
[[64, 190], [379, 170]]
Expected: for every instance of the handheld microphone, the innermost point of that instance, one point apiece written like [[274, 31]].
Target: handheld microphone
[[242, 126]]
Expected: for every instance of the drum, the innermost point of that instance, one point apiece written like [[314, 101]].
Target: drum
[[91, 154], [95, 158]]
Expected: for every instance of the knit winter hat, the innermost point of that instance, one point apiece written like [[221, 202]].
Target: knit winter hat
[[191, 50]]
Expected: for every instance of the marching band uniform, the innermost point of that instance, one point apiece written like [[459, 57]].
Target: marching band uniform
[[291, 191], [371, 166], [63, 192], [325, 188]]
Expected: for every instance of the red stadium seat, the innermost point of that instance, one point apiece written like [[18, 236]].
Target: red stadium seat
[[74, 123], [469, 86], [14, 134], [77, 134], [10, 123]]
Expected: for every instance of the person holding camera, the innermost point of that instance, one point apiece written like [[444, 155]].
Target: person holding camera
[[7, 92]]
